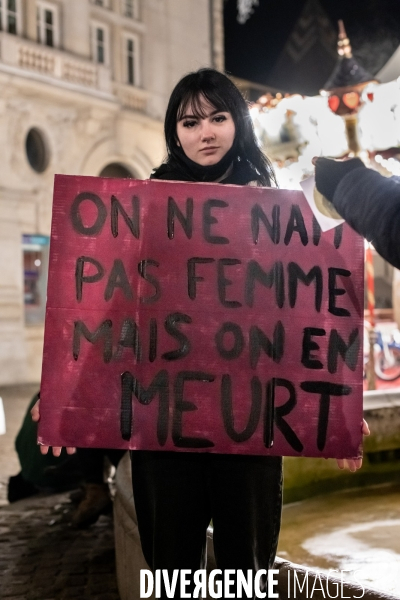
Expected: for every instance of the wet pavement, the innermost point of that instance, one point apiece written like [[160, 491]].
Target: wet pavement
[[357, 531], [41, 556]]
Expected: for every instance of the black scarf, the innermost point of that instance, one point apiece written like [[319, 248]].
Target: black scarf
[[184, 169]]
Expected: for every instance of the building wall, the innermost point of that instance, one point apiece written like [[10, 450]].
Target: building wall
[[88, 116]]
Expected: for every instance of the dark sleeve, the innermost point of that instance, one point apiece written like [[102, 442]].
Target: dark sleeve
[[370, 203]]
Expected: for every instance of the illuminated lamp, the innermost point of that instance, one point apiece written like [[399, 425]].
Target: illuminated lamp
[[344, 89]]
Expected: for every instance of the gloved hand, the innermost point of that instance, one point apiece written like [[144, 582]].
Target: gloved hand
[[329, 173]]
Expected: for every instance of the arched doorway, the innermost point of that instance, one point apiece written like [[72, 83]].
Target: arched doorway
[[116, 170]]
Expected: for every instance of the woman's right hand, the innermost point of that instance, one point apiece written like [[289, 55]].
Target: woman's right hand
[[35, 413], [352, 464]]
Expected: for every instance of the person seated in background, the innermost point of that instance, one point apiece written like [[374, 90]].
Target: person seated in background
[[40, 472], [368, 201], [85, 471]]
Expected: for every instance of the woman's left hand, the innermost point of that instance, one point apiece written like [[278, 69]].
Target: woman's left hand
[[352, 464]]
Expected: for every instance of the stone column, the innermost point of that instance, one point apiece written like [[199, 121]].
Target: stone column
[[217, 34], [13, 363]]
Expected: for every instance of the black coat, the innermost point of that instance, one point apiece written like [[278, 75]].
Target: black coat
[[370, 203]]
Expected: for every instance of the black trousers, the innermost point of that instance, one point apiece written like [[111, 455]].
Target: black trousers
[[91, 461], [177, 494]]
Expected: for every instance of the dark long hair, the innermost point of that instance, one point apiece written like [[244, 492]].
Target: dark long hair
[[221, 93]]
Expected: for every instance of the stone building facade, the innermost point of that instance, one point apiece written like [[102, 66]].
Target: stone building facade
[[83, 90]]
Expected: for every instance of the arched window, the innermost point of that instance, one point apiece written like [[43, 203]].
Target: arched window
[[116, 170]]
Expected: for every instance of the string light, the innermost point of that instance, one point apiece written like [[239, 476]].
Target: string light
[[390, 164], [294, 129]]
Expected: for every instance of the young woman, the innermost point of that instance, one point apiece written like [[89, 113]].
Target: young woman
[[209, 138]]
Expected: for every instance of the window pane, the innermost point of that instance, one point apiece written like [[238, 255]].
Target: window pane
[[100, 54], [49, 37], [12, 24], [35, 251], [100, 35], [131, 72], [32, 263], [12, 5], [48, 17], [130, 57], [38, 25], [129, 8]]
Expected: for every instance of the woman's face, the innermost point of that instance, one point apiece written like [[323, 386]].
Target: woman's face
[[205, 140]]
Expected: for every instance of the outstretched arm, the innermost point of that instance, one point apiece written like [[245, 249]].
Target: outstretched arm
[[369, 202]]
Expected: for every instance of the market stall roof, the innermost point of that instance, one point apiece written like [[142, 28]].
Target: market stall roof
[[391, 70], [309, 54], [291, 45], [347, 72]]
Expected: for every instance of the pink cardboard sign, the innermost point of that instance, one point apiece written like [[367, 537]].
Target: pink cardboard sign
[[200, 317]]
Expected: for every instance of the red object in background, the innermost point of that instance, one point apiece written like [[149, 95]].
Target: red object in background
[[200, 317], [369, 267], [333, 102], [351, 99]]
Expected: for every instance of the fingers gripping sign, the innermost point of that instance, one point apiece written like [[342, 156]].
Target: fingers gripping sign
[[353, 464], [35, 413]]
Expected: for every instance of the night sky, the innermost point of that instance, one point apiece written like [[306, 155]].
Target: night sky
[[252, 49]]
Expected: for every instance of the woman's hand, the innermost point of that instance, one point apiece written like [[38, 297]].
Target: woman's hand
[[35, 413], [353, 463]]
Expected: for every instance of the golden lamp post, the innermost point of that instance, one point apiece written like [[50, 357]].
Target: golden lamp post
[[344, 91]]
